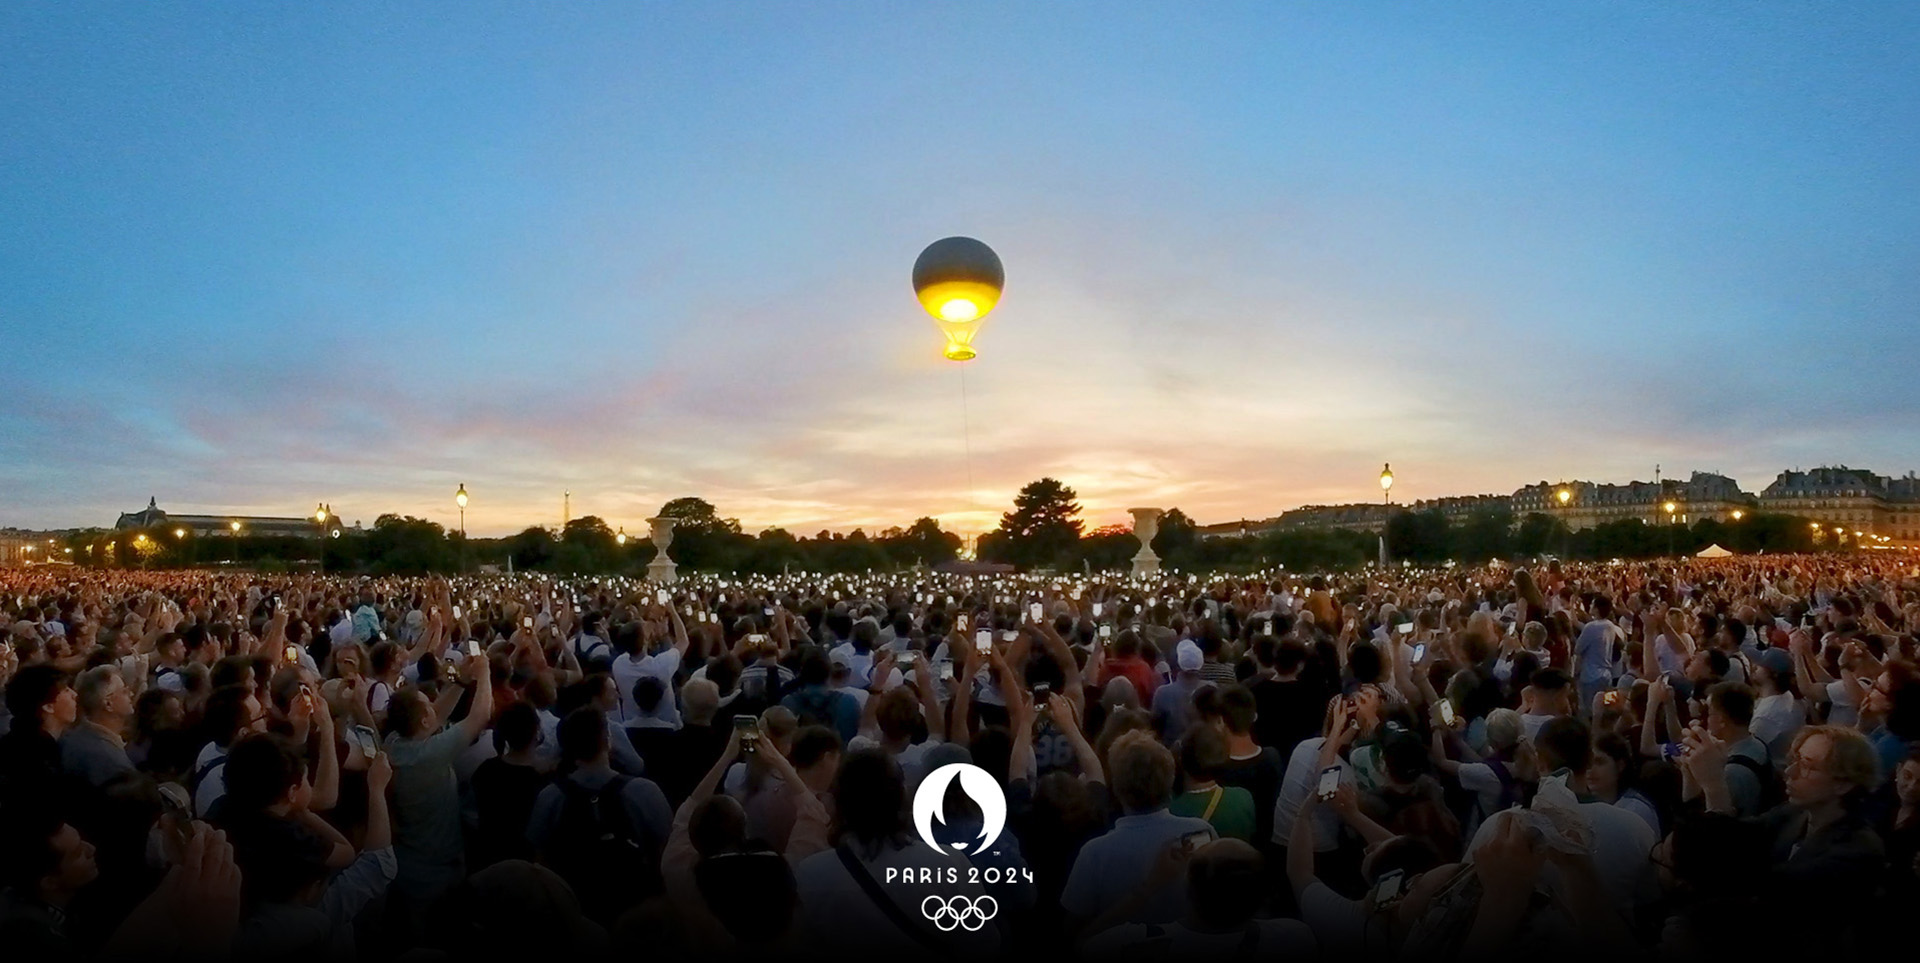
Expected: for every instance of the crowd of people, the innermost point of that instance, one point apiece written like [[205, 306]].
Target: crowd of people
[[1678, 757]]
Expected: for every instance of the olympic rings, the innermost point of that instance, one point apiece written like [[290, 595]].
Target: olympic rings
[[959, 912]]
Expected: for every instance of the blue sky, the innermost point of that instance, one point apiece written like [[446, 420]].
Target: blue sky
[[257, 256]]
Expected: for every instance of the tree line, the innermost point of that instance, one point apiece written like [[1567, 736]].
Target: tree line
[[1044, 531]]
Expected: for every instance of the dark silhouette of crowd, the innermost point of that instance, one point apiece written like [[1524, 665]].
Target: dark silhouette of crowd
[[1684, 757]]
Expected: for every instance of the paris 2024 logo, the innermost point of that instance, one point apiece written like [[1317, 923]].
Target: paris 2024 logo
[[929, 806]]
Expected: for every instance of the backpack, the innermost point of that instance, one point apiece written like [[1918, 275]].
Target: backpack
[[597, 850], [1773, 791]]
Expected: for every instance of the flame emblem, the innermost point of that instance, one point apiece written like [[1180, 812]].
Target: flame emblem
[[930, 799]]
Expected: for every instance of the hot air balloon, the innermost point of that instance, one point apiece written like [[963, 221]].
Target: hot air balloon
[[958, 280]]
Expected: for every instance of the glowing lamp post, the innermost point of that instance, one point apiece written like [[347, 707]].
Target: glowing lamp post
[[1386, 498], [620, 538], [958, 280]]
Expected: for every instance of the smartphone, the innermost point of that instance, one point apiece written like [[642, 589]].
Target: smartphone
[[1419, 651], [749, 729], [1040, 694], [1138, 608], [1008, 635], [456, 612], [473, 648], [292, 654], [1448, 717], [983, 641], [1106, 631], [1404, 628], [1329, 783], [944, 670], [1612, 698], [662, 596], [1266, 628], [527, 622], [909, 658], [960, 622], [1096, 610], [768, 612], [1036, 611], [1389, 887], [365, 739]]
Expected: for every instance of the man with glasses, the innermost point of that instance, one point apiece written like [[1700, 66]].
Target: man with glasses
[[1826, 856]]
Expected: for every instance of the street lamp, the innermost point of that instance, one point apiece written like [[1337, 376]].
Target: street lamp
[[320, 549], [235, 526], [1564, 496], [1738, 514], [620, 539], [460, 499], [1386, 498], [179, 533]]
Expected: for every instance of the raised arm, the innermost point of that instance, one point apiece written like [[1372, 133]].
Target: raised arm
[[480, 711], [326, 777], [1067, 720]]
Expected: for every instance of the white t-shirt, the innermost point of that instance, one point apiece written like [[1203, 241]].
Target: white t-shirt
[[213, 784], [628, 670], [1303, 777], [1846, 703], [1775, 719]]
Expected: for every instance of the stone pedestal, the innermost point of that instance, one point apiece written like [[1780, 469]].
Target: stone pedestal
[[1146, 524], [661, 569]]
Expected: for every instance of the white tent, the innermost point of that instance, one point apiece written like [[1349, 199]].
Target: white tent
[[1713, 551]]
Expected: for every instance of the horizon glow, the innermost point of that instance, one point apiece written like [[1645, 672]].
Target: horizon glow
[[254, 258]]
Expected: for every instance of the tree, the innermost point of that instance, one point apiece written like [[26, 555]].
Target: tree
[[702, 540], [1418, 536], [531, 549], [586, 545], [1107, 548], [697, 515], [922, 543], [404, 545], [1483, 535], [1043, 526], [1176, 539], [1541, 534]]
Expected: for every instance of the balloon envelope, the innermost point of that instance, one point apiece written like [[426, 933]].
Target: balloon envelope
[[958, 280]]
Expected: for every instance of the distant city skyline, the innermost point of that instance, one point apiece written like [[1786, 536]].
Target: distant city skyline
[[257, 257], [1907, 490]]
